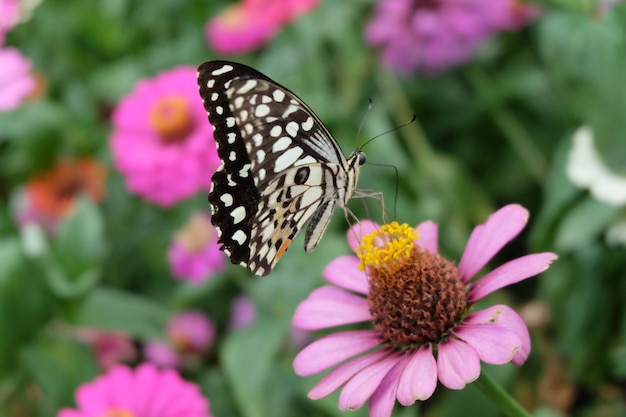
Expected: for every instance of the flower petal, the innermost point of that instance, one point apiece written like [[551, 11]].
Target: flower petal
[[384, 398], [505, 316], [338, 376], [344, 272], [333, 349], [457, 364], [362, 385], [494, 344], [487, 239], [356, 232], [509, 273], [428, 231], [328, 307], [419, 377]]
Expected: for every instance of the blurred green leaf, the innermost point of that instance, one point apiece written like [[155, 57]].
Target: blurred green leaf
[[248, 358], [584, 223], [112, 309]]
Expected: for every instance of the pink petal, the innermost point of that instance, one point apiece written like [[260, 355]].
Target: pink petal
[[356, 232], [457, 364], [487, 239], [338, 376], [344, 272], [362, 385], [494, 344], [419, 377], [507, 317], [384, 398], [509, 273], [428, 231], [333, 349], [330, 306]]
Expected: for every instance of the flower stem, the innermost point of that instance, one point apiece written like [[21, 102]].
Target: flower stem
[[507, 404]]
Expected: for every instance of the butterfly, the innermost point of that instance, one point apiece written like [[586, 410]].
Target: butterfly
[[280, 166]]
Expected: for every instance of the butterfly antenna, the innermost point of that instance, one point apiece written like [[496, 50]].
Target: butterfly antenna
[[389, 131], [369, 108]]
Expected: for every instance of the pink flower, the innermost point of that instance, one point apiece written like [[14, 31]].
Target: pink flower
[[142, 392], [194, 254], [162, 354], [420, 305], [242, 312], [191, 331], [251, 23], [433, 35], [16, 82], [110, 348], [162, 141], [9, 16]]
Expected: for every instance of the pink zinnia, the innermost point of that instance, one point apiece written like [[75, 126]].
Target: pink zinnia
[[251, 23], [419, 304], [162, 142], [430, 36], [110, 348], [191, 331], [194, 254], [16, 81], [143, 392], [162, 354]]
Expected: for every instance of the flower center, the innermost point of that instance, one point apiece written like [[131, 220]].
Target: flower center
[[117, 412], [170, 117], [415, 297]]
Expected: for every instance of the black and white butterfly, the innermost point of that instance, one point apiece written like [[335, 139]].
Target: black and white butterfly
[[280, 166]]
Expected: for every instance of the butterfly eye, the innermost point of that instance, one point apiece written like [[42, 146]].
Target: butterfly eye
[[362, 158]]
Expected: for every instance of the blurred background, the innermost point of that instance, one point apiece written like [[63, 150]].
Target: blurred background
[[107, 254]]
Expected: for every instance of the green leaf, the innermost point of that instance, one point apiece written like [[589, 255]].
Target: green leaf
[[248, 358], [117, 310], [584, 223]]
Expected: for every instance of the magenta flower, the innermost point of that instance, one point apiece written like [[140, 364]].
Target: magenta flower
[[433, 35], [242, 313], [142, 392], [420, 305], [162, 354], [191, 331], [162, 142], [110, 348], [16, 81], [194, 254], [249, 24]]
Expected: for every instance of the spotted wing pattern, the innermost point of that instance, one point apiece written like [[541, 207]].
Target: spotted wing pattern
[[280, 166]]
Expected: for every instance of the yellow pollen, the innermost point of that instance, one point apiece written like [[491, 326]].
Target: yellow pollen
[[170, 117], [117, 412], [391, 243]]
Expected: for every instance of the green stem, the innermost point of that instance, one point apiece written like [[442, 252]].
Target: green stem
[[513, 131], [507, 404]]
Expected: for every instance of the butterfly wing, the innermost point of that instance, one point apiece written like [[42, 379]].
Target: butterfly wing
[[280, 165]]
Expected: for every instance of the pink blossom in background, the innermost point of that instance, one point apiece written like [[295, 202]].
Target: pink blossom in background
[[162, 142], [419, 304], [249, 24], [110, 348], [191, 331], [142, 392], [162, 354], [9, 16], [433, 35], [194, 253], [16, 80], [242, 312]]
